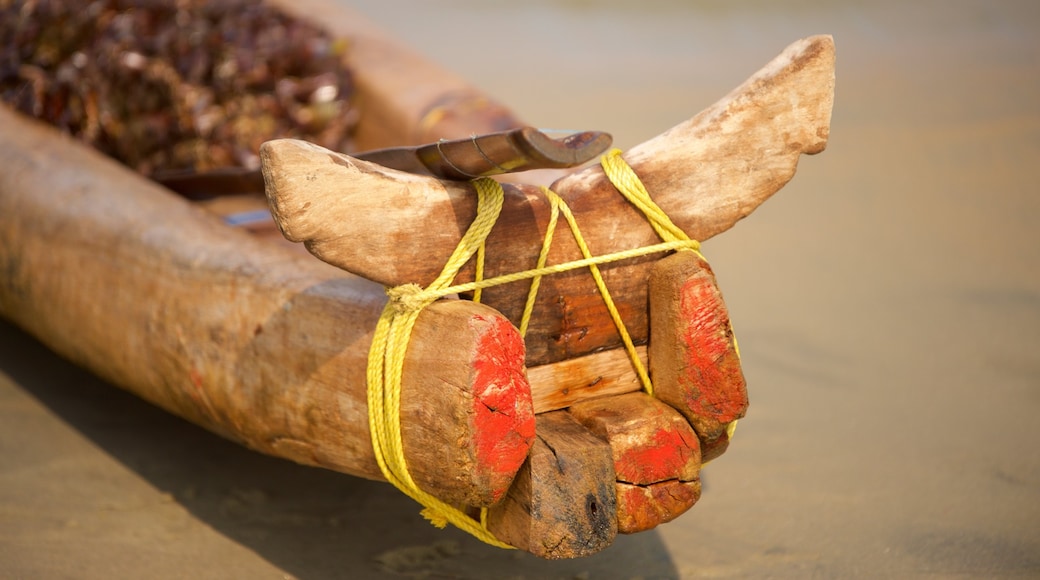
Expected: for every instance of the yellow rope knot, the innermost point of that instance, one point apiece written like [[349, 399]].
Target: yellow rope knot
[[408, 298]]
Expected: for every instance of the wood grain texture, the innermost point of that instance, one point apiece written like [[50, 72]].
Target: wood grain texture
[[563, 502], [706, 173], [466, 415], [265, 346]]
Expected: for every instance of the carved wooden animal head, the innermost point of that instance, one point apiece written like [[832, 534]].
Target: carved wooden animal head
[[706, 174]]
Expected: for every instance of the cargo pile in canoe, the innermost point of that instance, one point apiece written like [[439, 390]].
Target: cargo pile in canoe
[[163, 86]]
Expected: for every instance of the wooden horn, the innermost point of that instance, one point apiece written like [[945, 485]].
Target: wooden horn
[[706, 173]]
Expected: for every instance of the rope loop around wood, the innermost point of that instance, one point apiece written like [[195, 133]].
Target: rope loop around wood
[[390, 341]]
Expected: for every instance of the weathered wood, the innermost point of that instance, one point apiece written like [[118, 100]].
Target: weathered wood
[[692, 351], [713, 449], [706, 173], [656, 455], [173, 268], [253, 341], [562, 503]]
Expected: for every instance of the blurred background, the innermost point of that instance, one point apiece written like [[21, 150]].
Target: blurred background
[[887, 302]]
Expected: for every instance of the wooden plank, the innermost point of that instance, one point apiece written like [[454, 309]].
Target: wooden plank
[[561, 384]]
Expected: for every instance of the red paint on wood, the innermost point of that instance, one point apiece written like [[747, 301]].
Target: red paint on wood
[[503, 410], [644, 507], [674, 498], [714, 386], [661, 457], [636, 510]]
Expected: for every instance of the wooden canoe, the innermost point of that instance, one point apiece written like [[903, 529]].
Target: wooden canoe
[[248, 336]]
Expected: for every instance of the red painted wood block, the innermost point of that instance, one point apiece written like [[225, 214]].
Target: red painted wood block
[[656, 455], [475, 424], [693, 356], [503, 414]]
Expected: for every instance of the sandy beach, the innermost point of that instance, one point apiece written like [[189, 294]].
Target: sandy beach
[[887, 303]]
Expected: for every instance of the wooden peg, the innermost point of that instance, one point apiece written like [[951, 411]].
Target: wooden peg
[[562, 503]]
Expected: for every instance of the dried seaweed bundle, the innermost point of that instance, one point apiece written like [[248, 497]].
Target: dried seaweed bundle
[[175, 84]]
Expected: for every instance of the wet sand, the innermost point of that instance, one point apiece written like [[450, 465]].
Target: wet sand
[[887, 303]]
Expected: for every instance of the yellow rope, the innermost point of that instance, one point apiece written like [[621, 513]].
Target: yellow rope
[[390, 341], [627, 182], [386, 362], [558, 206]]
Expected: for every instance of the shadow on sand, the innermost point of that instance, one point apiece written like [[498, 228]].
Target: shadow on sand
[[308, 522]]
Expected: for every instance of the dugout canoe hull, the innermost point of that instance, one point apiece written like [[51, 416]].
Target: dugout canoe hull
[[159, 296], [226, 327]]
